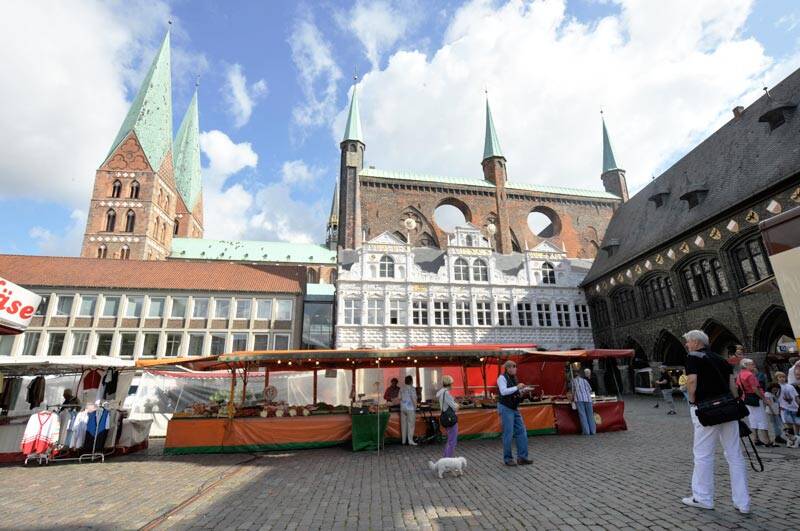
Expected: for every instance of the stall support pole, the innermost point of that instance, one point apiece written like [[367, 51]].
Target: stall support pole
[[464, 380], [266, 378], [244, 383], [485, 387], [353, 391], [231, 398], [315, 387], [419, 383]]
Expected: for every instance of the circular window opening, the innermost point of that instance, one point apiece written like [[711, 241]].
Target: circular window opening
[[448, 217], [543, 223]]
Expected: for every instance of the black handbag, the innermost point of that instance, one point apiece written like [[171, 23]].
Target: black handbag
[[720, 409], [751, 399], [448, 418]]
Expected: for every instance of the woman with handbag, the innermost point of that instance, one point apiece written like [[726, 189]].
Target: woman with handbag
[[449, 419], [753, 397]]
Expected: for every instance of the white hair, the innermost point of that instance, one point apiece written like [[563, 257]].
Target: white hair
[[696, 335], [745, 362]]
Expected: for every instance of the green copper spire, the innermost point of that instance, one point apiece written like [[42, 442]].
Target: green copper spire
[[150, 115], [491, 145], [353, 129], [186, 156], [608, 155], [333, 219]]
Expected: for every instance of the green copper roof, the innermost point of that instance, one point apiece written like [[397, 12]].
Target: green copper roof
[[251, 251], [186, 156], [491, 145], [608, 154], [481, 183], [353, 129], [150, 115], [333, 219]]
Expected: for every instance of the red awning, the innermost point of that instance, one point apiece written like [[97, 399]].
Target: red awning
[[577, 355]]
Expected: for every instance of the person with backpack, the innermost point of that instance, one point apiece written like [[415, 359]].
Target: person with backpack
[[510, 417], [710, 384], [449, 420]]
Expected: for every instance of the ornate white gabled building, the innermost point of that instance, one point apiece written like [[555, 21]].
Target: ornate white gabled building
[[393, 295]]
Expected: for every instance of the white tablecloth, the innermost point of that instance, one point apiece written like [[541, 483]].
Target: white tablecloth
[[134, 431]]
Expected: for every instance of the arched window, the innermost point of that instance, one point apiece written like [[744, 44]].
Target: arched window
[[125, 252], [352, 148], [480, 271], [460, 269], [468, 240], [600, 315], [102, 251], [116, 189], [703, 278], [548, 273], [624, 304], [111, 220], [386, 269], [657, 294], [175, 229], [135, 190], [311, 276], [750, 261], [130, 221]]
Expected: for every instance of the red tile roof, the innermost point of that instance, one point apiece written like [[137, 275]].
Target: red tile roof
[[57, 271]]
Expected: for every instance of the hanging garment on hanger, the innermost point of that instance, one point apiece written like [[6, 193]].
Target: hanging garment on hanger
[[96, 431], [67, 420], [90, 380], [41, 432], [36, 391], [79, 430], [110, 380], [114, 422]]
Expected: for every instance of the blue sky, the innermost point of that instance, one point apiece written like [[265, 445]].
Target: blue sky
[[665, 79]]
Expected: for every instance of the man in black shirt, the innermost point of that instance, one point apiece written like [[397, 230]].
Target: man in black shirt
[[710, 376]]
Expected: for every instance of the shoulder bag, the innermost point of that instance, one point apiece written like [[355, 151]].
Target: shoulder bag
[[448, 419], [750, 399], [720, 409]]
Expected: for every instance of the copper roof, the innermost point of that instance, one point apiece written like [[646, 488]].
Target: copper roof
[[57, 271]]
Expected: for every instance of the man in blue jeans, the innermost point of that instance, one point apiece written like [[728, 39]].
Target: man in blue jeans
[[513, 425], [582, 398]]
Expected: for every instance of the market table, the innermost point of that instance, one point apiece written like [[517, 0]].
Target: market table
[[608, 415], [368, 430]]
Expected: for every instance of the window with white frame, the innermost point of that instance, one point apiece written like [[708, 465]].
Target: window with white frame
[[543, 313], [398, 312], [88, 304], [419, 313], [460, 269], [239, 342], [243, 308], [352, 311], [441, 313], [178, 308], [31, 343], [127, 344], [548, 273], [218, 343], [55, 343], [480, 271], [582, 315], [222, 308], [200, 309], [282, 342], [264, 309], [133, 306], [261, 342], [483, 313], [41, 310], [375, 311], [150, 344], [156, 308], [80, 343], [504, 314], [462, 311], [173, 346], [110, 306], [64, 305], [562, 314], [196, 344], [6, 342], [104, 342], [283, 310], [524, 314], [386, 267]]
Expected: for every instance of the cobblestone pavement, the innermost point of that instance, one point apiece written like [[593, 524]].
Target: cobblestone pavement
[[624, 480]]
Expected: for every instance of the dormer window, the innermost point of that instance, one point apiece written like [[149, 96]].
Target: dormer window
[[659, 198], [695, 196], [777, 115], [611, 246]]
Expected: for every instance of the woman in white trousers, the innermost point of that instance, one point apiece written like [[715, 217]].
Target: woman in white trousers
[[408, 412]]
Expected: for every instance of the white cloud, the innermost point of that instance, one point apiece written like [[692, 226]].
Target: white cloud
[[317, 74], [259, 212], [666, 75], [240, 97], [66, 243], [379, 25]]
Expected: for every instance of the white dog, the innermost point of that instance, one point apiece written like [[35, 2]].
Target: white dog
[[456, 465]]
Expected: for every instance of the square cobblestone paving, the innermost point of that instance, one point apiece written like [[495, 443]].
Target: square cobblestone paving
[[623, 480]]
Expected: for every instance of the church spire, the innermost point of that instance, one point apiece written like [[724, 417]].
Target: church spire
[[609, 163], [150, 114], [333, 220], [186, 156], [491, 145], [352, 130]]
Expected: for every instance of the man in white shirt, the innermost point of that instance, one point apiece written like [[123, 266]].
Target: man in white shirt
[[510, 418]]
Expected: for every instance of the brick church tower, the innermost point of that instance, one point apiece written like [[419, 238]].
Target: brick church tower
[[613, 176], [352, 162], [145, 191], [494, 171]]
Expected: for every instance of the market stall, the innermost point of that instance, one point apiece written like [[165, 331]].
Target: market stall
[[69, 408], [254, 418]]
